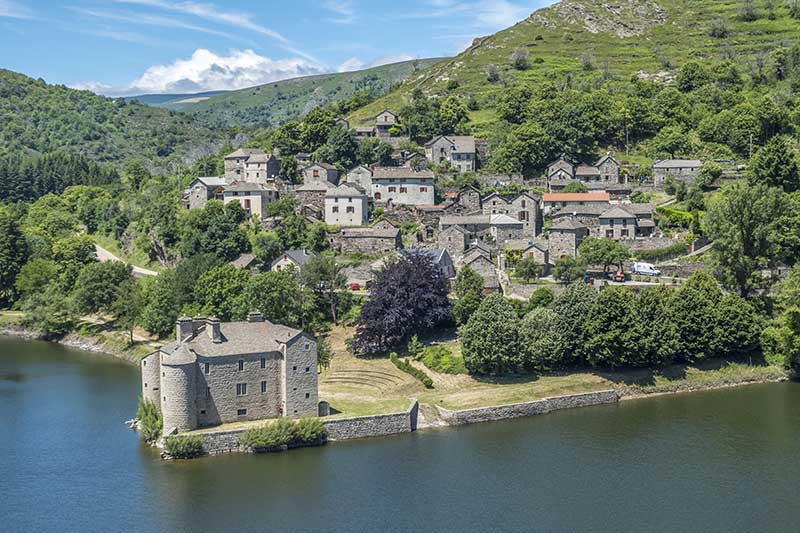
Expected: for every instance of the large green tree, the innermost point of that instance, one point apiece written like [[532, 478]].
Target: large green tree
[[13, 255], [572, 307], [219, 292], [490, 339], [276, 295], [543, 339], [604, 252], [468, 290], [775, 164], [608, 326]]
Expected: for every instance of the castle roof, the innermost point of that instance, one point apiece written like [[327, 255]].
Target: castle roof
[[237, 338]]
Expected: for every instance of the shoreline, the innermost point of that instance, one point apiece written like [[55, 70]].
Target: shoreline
[[72, 340]]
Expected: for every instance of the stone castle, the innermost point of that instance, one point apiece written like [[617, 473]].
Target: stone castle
[[233, 371]]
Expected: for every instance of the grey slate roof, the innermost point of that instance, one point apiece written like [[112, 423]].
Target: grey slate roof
[[567, 224], [244, 152], [211, 181], [386, 233], [345, 190], [316, 186], [462, 144], [678, 163], [379, 173], [244, 186], [617, 212], [587, 170], [243, 261], [298, 257], [238, 338]]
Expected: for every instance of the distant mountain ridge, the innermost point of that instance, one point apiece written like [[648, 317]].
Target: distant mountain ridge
[[169, 101], [273, 104]]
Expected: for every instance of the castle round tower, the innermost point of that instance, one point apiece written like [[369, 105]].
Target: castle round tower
[[178, 383], [151, 379]]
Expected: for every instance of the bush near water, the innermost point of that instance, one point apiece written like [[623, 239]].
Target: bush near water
[[285, 432]]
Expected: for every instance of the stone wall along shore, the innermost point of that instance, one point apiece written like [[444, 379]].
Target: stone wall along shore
[[338, 429], [516, 410]]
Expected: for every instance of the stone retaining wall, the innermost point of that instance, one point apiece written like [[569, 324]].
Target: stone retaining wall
[[338, 429], [501, 412]]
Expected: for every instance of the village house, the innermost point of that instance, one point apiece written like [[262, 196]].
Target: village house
[[296, 259], [588, 215], [479, 260], [464, 202], [565, 237], [523, 207], [605, 170], [361, 176], [384, 122], [440, 257], [457, 150], [253, 197], [201, 190], [414, 160], [554, 201], [346, 205], [523, 248], [245, 261], [219, 372], [312, 195], [381, 238], [496, 228], [321, 172], [627, 221], [402, 186], [251, 165], [684, 169], [454, 239]]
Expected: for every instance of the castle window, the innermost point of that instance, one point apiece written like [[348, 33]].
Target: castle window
[[144, 363], [403, 189], [202, 411], [241, 389], [263, 362], [207, 368], [145, 385], [308, 369], [263, 387], [208, 392], [294, 369], [423, 189], [308, 395], [241, 412], [241, 365]]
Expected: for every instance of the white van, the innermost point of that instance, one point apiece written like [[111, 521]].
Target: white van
[[645, 269]]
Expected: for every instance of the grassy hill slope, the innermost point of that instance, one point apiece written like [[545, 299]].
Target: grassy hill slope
[[275, 103], [38, 118], [583, 38], [171, 101]]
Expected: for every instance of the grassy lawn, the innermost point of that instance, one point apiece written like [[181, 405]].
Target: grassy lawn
[[360, 386], [137, 259]]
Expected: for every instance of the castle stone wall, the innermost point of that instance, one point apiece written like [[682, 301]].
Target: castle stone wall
[[151, 379], [178, 397]]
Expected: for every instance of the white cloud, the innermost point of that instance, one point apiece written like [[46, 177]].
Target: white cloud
[[208, 71], [212, 13], [351, 64], [14, 10], [344, 10], [147, 20]]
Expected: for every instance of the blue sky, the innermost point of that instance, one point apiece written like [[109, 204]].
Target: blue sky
[[155, 46]]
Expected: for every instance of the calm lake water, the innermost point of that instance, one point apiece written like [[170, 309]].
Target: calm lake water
[[711, 461]]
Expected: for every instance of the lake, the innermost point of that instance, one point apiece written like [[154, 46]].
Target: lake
[[712, 461]]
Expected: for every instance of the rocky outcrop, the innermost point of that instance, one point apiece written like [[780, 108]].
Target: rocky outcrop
[[623, 18]]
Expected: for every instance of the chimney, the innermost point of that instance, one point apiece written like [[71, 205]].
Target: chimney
[[255, 316], [212, 328], [183, 329]]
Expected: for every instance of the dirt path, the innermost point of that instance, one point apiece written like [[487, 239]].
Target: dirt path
[[104, 255]]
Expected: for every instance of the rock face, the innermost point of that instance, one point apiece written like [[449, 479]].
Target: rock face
[[623, 18]]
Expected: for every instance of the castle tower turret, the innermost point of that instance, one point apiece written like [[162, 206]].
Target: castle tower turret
[[178, 395]]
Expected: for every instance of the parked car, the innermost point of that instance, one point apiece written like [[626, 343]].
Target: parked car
[[617, 276], [355, 287], [645, 269]]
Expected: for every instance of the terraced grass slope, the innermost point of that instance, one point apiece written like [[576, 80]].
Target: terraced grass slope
[[275, 103], [586, 38]]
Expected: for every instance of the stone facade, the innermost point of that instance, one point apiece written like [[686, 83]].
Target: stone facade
[[253, 197], [313, 194], [321, 172], [523, 207], [402, 186], [379, 239], [564, 239], [501, 412], [227, 372], [556, 201], [384, 122], [455, 240], [457, 150], [346, 206], [361, 176], [203, 189], [684, 169]]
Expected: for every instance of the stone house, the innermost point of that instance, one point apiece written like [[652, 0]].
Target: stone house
[[245, 261], [384, 122], [527, 248], [303, 158], [684, 169], [261, 168], [381, 238], [363, 132], [342, 122], [203, 189], [562, 169], [414, 160], [605, 170], [481, 262], [439, 256], [523, 207], [235, 163], [321, 172], [313, 194], [346, 205], [627, 222], [215, 373], [457, 150], [402, 186], [565, 237], [454, 239], [253, 197], [361, 176], [495, 228], [296, 259], [609, 169], [588, 215], [554, 201]]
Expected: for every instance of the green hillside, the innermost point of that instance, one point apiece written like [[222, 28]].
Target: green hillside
[[170, 101], [275, 103], [577, 41], [39, 118]]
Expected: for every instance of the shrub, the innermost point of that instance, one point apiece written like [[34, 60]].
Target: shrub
[[520, 59], [406, 367], [284, 432], [661, 254], [310, 431], [184, 446], [150, 421], [673, 218], [440, 359]]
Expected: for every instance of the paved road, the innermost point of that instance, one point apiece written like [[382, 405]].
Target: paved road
[[104, 255]]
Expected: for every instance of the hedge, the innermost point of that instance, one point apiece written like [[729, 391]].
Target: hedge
[[439, 359], [658, 254], [285, 433], [184, 446], [411, 370]]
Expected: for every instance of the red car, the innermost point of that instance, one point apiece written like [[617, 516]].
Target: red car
[[355, 287]]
